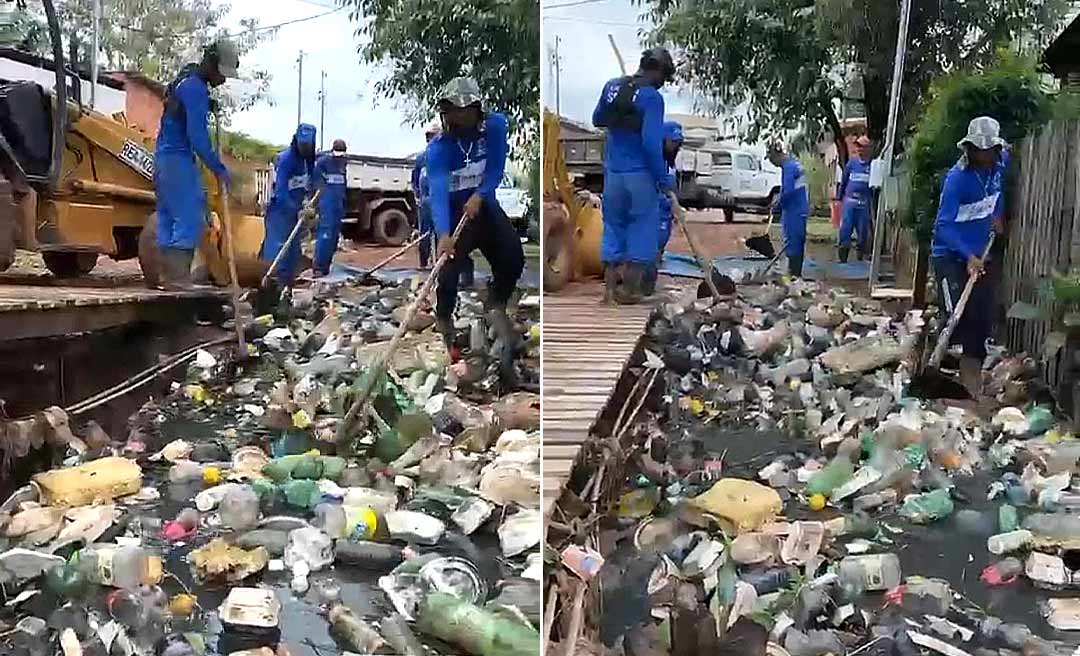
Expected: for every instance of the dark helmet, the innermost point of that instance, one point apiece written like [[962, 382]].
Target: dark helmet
[[658, 58]]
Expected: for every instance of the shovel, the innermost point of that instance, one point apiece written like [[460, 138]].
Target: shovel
[[375, 373], [762, 243], [233, 281], [679, 214], [931, 378]]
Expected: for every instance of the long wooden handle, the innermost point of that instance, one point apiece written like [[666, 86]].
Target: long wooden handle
[[958, 311], [233, 279], [376, 371], [288, 242], [398, 253], [680, 217]]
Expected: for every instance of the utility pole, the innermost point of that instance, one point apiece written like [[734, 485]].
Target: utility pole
[[300, 87], [890, 145], [322, 110], [94, 55], [558, 99]]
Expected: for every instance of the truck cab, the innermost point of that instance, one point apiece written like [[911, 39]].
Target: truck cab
[[727, 177]]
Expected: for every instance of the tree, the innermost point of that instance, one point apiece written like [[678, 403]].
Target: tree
[[792, 61], [426, 43], [158, 37]]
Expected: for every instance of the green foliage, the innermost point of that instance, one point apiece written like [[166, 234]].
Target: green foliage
[[426, 43], [157, 38], [789, 58], [1010, 91], [247, 148]]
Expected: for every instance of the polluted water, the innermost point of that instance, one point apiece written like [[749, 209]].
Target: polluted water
[[239, 515], [784, 491]]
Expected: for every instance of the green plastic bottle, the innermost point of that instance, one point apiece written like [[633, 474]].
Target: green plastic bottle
[[835, 474], [302, 493], [1008, 518], [476, 631]]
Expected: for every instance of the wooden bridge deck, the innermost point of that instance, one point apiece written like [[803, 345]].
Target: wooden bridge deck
[[29, 311], [586, 347]]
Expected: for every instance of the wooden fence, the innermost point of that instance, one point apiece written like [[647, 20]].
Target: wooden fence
[[1044, 233]]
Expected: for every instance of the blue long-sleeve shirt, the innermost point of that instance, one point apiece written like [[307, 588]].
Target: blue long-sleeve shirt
[[187, 131], [855, 183], [459, 166], [629, 151], [420, 178], [970, 200], [329, 175], [794, 197], [292, 181]]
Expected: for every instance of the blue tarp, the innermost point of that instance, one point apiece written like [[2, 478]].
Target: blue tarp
[[738, 268]]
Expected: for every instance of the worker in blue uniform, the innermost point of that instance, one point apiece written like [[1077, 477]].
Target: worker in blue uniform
[[673, 140], [632, 110], [854, 194], [972, 205], [465, 166], [421, 193], [178, 182], [330, 178], [292, 183], [793, 206]]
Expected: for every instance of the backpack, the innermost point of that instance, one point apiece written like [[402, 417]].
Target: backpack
[[620, 112]]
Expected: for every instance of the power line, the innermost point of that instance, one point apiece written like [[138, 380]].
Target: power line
[[572, 3], [261, 28], [568, 19]]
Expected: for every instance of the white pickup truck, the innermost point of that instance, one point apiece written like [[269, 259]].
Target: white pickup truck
[[728, 178]]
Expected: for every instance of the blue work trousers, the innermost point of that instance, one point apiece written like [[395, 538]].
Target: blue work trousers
[[331, 213], [427, 225], [855, 218], [181, 201], [280, 221], [631, 218], [793, 225]]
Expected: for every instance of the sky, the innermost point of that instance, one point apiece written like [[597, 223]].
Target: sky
[[370, 125], [586, 58]]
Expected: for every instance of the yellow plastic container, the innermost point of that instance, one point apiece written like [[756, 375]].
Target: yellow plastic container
[[101, 480]]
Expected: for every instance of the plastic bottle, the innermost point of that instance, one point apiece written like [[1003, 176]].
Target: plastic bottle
[[1004, 543], [368, 555], [812, 643], [365, 497], [395, 629], [119, 567], [874, 500], [872, 573], [856, 525], [1008, 518], [185, 471], [138, 607], [928, 507], [240, 509], [1002, 572], [1054, 526], [67, 582], [302, 493], [832, 476], [475, 630]]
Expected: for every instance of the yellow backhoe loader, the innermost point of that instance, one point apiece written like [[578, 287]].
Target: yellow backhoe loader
[[572, 222], [76, 184]]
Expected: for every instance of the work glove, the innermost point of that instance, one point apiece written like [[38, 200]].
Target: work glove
[[309, 215]]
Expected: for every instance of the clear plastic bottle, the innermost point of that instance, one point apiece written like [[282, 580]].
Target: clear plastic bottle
[[185, 471], [375, 556], [1004, 543], [119, 567], [874, 500], [871, 573], [309, 545], [240, 509]]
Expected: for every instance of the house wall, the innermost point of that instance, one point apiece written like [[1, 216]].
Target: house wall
[[143, 108]]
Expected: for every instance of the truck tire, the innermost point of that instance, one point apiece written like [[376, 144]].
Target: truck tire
[[729, 215], [9, 225], [149, 255], [390, 227], [69, 265]]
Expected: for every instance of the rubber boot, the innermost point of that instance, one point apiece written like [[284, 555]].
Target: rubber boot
[[630, 292], [845, 251], [445, 327], [795, 266], [509, 338], [611, 283], [971, 375]]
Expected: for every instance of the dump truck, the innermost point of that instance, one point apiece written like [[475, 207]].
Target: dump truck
[[379, 202]]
